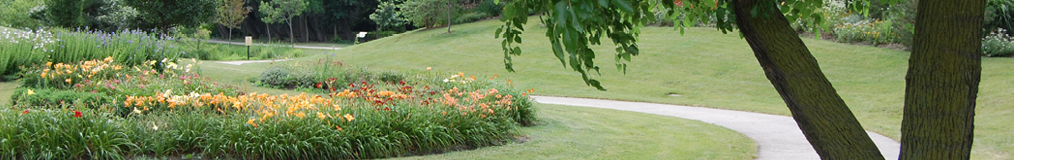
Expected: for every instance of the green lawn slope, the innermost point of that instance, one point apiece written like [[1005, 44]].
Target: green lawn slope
[[704, 67]]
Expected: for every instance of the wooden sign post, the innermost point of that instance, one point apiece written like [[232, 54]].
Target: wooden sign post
[[249, 42]]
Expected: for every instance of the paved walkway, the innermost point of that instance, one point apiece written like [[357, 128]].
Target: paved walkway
[[252, 61], [778, 137], [297, 46]]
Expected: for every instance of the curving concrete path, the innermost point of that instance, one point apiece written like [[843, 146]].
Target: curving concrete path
[[297, 46], [239, 63], [778, 137]]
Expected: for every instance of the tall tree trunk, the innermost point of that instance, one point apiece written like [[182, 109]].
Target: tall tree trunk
[[268, 27], [319, 32], [292, 38], [449, 16], [942, 81], [820, 112], [306, 28], [229, 36]]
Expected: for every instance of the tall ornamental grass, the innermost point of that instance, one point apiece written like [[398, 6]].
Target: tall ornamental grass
[[128, 47]]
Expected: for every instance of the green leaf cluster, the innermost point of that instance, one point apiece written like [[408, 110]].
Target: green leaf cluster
[[165, 14]]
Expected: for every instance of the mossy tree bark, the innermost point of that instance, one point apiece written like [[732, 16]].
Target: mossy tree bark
[[820, 112], [942, 81]]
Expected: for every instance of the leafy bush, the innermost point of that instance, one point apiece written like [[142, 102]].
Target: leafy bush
[[489, 7], [424, 13], [870, 31], [277, 76], [998, 44], [390, 77], [388, 16], [471, 17], [903, 15], [1000, 14], [15, 13]]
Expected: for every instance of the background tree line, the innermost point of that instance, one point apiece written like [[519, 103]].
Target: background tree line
[[318, 20]]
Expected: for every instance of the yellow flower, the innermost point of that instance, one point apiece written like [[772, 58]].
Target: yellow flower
[[31, 92], [429, 68], [43, 75], [251, 123], [67, 80], [349, 117]]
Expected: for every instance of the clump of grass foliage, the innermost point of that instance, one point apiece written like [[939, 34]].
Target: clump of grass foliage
[[152, 113], [128, 47]]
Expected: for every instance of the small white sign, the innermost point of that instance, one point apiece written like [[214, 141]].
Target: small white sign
[[362, 34], [249, 40]]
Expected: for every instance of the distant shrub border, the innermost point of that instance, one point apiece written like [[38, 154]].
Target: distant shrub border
[[417, 115]]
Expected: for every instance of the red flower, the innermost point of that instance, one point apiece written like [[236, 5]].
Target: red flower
[[78, 114], [678, 2], [318, 85], [26, 112]]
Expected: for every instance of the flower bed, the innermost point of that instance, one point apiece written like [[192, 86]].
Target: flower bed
[[187, 114]]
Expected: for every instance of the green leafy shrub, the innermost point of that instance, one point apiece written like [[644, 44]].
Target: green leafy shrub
[[870, 31], [471, 17], [998, 44], [489, 7], [1000, 14], [424, 13], [903, 15], [15, 13], [276, 77]]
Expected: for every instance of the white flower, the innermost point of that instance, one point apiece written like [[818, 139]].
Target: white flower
[[445, 80]]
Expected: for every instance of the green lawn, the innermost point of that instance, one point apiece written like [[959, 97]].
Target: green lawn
[[706, 67]]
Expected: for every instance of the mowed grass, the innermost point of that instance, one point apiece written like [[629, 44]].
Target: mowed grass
[[707, 68], [568, 132]]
